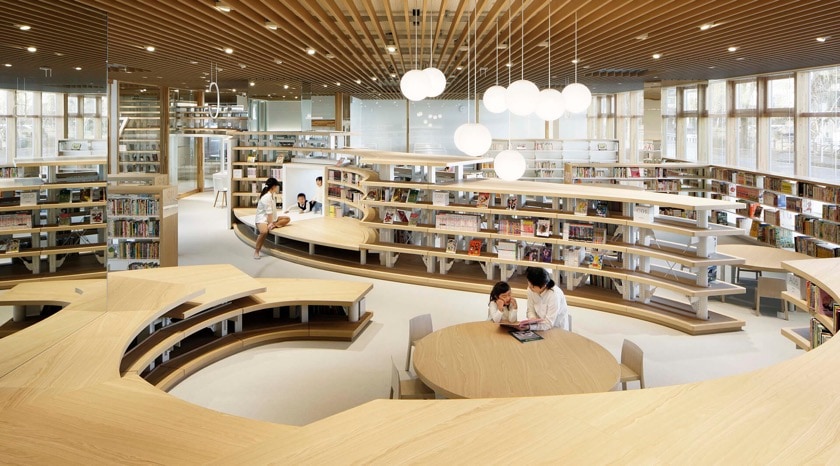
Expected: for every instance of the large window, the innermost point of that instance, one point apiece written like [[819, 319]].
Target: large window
[[746, 123], [780, 130], [823, 116], [716, 105], [630, 130], [669, 122]]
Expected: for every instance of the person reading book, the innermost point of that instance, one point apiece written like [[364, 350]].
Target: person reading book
[[546, 302], [266, 218], [318, 202], [502, 306]]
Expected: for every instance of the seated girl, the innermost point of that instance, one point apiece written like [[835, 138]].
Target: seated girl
[[502, 306]]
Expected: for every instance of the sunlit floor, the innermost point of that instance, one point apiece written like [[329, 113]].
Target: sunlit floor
[[300, 382]]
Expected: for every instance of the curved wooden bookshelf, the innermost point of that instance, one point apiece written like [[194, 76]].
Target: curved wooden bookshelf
[[62, 387]]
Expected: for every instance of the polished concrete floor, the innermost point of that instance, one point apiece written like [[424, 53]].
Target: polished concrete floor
[[300, 382]]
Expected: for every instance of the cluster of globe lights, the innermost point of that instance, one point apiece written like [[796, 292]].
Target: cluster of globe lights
[[523, 98], [416, 85]]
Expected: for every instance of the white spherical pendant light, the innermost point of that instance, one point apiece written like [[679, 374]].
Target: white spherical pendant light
[[437, 81], [550, 105], [494, 99], [509, 165], [415, 85], [577, 97], [521, 97], [473, 139]]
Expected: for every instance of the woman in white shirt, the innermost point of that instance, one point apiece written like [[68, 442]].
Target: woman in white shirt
[[545, 302], [502, 306], [266, 218]]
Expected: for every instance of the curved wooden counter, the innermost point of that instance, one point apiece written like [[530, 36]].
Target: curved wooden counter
[[62, 398], [482, 360]]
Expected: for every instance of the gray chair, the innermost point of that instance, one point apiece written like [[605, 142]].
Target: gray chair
[[418, 327]]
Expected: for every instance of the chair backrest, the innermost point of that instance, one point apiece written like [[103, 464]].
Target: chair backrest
[[632, 357], [419, 327], [770, 287], [395, 381], [569, 320]]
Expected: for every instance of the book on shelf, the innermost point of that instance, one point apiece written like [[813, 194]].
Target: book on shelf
[[721, 217], [440, 198], [252, 172], [531, 253], [388, 216], [251, 158], [643, 213], [451, 246], [601, 209], [597, 261], [237, 173], [96, 215], [545, 253], [414, 218], [402, 215], [13, 245], [413, 195], [581, 207], [507, 250], [474, 247], [276, 173], [511, 202], [97, 194], [372, 195], [65, 195], [599, 235], [543, 228], [84, 195], [527, 227], [573, 256], [64, 217], [524, 336], [29, 198], [482, 200]]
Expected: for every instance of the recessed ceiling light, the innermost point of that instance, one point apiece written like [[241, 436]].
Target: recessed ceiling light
[[642, 36], [193, 62], [459, 68], [391, 48], [543, 44], [740, 58], [656, 56], [358, 81], [575, 61], [393, 75], [373, 78], [325, 85], [310, 51], [329, 56], [223, 6], [24, 27], [822, 39], [337, 83], [78, 68], [278, 61], [271, 25], [285, 86], [733, 49], [233, 90], [7, 65], [501, 46], [31, 49], [59, 54], [707, 26], [252, 83], [586, 67], [228, 50], [149, 48], [711, 67]]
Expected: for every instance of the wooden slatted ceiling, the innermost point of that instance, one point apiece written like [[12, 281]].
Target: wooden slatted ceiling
[[189, 35]]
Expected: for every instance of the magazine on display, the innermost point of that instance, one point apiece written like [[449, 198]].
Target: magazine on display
[[524, 336]]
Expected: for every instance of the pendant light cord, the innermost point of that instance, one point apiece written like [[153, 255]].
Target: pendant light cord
[[576, 56], [549, 44], [522, 38]]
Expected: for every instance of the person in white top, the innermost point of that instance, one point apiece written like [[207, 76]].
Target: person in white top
[[502, 306], [318, 202], [267, 218], [545, 302]]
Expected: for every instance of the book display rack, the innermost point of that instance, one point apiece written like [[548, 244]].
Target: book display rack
[[142, 227], [812, 287], [545, 158], [52, 218], [142, 141]]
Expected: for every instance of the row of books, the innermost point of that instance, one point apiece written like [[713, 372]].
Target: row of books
[[16, 220], [401, 216], [135, 250], [815, 247], [457, 222], [771, 234], [133, 206], [395, 195], [11, 172], [819, 228], [818, 333], [10, 245], [781, 185], [525, 227], [586, 232], [134, 228], [252, 172], [748, 193], [139, 158], [85, 195]]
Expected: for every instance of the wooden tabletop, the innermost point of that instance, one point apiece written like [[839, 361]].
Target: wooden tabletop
[[482, 360], [764, 258]]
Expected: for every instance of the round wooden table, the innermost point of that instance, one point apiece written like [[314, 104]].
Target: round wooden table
[[482, 360], [763, 258]]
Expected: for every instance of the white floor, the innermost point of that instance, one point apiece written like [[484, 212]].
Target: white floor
[[300, 382]]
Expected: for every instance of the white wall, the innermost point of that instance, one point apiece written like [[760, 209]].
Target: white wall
[[283, 116]]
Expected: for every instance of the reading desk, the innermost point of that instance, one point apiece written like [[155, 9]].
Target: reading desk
[[482, 360]]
